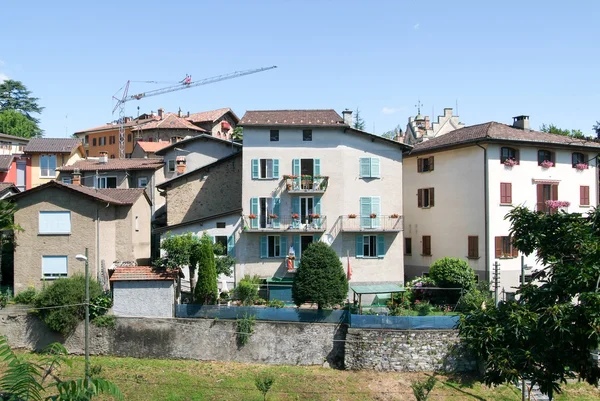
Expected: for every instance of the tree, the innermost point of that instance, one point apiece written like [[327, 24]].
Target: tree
[[320, 278], [548, 334], [359, 123], [553, 129], [7, 225], [14, 123], [238, 134], [451, 273], [15, 96], [223, 261], [177, 251], [394, 133], [206, 291], [596, 129]]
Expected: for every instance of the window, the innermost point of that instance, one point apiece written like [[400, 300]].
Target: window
[[506, 193], [176, 139], [509, 154], [425, 197], [578, 158], [545, 155], [86, 140], [222, 240], [265, 168], [408, 246], [221, 224], [307, 135], [546, 192], [370, 209], [128, 155], [505, 248], [137, 223], [274, 135], [584, 195], [128, 137], [171, 166], [369, 167], [67, 180], [93, 141], [425, 164], [55, 223], [426, 251], [106, 182], [370, 246], [473, 247], [112, 156], [48, 166], [103, 141], [142, 182], [54, 267], [111, 140], [273, 246]]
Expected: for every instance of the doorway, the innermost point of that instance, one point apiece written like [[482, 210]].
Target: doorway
[[306, 209]]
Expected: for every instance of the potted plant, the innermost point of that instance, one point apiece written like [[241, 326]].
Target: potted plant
[[510, 162], [581, 166], [546, 164], [315, 215], [373, 215], [251, 216], [395, 216], [273, 216], [352, 216], [295, 216]]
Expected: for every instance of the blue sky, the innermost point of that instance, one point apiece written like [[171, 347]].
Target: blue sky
[[496, 59]]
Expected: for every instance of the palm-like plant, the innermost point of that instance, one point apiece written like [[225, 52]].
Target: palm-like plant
[[29, 381]]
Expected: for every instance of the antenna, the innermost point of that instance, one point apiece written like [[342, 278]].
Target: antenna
[[418, 106], [457, 108]]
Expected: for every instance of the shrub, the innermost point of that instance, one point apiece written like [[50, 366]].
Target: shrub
[[4, 298], [100, 305], [247, 290], [245, 328], [418, 289], [63, 292], [421, 389], [276, 303], [207, 291], [105, 321], [264, 383], [224, 296], [475, 298], [26, 297], [423, 308], [320, 278], [451, 273]]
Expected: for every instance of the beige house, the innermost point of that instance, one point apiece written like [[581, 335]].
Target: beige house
[[60, 221], [49, 154], [147, 150]]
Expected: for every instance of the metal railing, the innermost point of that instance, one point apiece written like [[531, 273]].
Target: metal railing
[[367, 223], [267, 223], [306, 183]]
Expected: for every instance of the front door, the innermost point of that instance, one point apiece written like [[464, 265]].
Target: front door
[[21, 175], [306, 209]]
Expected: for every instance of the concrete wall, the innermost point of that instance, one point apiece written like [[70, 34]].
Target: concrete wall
[[140, 237], [143, 298]]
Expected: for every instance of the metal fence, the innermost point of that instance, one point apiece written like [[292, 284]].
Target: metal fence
[[404, 322]]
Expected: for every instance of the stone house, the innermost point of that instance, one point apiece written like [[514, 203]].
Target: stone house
[[60, 221], [48, 155], [420, 128], [458, 188], [219, 123]]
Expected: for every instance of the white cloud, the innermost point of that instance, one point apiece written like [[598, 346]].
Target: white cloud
[[392, 110], [3, 77], [416, 26]]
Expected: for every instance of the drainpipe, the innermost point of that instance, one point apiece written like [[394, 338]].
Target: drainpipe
[[97, 243], [487, 212]]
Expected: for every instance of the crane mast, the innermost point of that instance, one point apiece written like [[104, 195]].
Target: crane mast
[[184, 84]]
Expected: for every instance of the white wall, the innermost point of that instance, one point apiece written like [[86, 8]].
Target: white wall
[[144, 298]]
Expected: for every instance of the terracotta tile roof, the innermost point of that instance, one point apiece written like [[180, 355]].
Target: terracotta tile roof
[[211, 116], [52, 145], [5, 162], [125, 196], [141, 273], [113, 164], [187, 141], [152, 147], [115, 126], [303, 118], [494, 131], [169, 121], [14, 138]]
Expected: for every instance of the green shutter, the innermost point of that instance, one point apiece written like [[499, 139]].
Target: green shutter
[[231, 246], [317, 210], [359, 246], [276, 208], [365, 212], [317, 166], [380, 246], [316, 237], [264, 252], [283, 246], [365, 167], [276, 168], [255, 169], [296, 205], [296, 240], [254, 211], [296, 172], [375, 208], [375, 168]]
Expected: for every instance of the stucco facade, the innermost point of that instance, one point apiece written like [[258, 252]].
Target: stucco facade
[[62, 159], [143, 298]]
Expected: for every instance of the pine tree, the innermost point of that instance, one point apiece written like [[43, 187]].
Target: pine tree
[[206, 291]]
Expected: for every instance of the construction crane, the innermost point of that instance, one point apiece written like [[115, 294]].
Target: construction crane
[[183, 84]]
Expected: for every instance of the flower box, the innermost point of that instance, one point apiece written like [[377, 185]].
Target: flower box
[[315, 216], [273, 216], [295, 216], [510, 162], [395, 216], [546, 164], [557, 204], [581, 166], [251, 216], [373, 215]]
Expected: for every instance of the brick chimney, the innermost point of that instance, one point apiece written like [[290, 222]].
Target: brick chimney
[[347, 117], [76, 177], [180, 161], [161, 113], [521, 122], [103, 159]]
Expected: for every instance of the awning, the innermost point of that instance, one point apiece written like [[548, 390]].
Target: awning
[[376, 289]]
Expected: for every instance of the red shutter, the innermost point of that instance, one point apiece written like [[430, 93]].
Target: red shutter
[[504, 195], [431, 197], [419, 165], [515, 251], [420, 198], [430, 163], [554, 192], [426, 245], [584, 195], [517, 156], [473, 243], [540, 198], [508, 192], [498, 243]]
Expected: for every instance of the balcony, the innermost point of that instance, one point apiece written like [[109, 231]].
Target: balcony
[[266, 224], [306, 184], [391, 223]]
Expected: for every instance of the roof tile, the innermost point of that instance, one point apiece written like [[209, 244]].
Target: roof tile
[[52, 145], [169, 121], [5, 162], [141, 273], [152, 147], [210, 116], [303, 118], [113, 164]]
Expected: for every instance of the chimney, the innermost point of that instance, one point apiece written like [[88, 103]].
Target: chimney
[[521, 122], [188, 114], [347, 117], [447, 112], [427, 123], [179, 113], [161, 112], [180, 161], [76, 177], [103, 158]]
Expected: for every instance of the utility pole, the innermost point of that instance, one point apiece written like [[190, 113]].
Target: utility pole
[[496, 281], [87, 317], [523, 268]]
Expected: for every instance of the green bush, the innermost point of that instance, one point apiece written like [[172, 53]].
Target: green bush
[[247, 290], [206, 291], [475, 298], [63, 292], [105, 321], [276, 303], [320, 278], [245, 329], [424, 308], [451, 273], [26, 297], [100, 305], [4, 298]]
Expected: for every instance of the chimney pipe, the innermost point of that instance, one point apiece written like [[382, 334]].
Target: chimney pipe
[[188, 114], [347, 117], [180, 161], [103, 158], [521, 122], [179, 113], [161, 112], [76, 177]]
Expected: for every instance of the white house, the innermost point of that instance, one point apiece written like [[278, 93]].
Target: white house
[[458, 188], [308, 176]]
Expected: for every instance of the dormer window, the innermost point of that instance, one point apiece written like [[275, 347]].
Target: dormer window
[[508, 155]]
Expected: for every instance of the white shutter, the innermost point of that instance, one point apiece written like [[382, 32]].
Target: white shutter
[[55, 223]]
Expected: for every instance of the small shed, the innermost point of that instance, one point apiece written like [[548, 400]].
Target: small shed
[[143, 291], [382, 291]]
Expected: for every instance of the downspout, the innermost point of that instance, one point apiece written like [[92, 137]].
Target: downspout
[[487, 212], [97, 243]]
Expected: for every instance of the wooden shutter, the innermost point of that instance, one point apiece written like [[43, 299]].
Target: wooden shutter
[[276, 168], [296, 205], [375, 167], [254, 169], [359, 246], [584, 195], [231, 246], [498, 246], [254, 211], [473, 246], [375, 208], [431, 197], [426, 245], [264, 252], [276, 211], [317, 166], [296, 167], [430, 163], [515, 251], [541, 207], [365, 212], [380, 246], [283, 246], [419, 165], [296, 242], [554, 192], [506, 193], [420, 198], [365, 167]]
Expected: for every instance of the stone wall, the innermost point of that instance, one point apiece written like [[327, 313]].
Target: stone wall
[[405, 351]]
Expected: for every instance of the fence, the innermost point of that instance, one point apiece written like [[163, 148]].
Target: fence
[[404, 322]]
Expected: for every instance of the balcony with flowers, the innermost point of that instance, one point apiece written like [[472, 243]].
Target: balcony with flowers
[[294, 222], [306, 184], [553, 206], [371, 223]]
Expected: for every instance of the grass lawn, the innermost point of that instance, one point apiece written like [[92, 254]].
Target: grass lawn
[[175, 380]]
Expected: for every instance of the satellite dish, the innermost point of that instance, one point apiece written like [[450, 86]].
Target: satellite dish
[[327, 238]]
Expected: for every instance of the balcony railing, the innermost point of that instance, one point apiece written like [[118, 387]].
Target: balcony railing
[[306, 183], [284, 223], [391, 223]]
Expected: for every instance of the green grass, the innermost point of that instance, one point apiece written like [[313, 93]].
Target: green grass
[[180, 380]]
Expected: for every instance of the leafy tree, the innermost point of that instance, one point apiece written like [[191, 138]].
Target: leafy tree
[[596, 129], [320, 278], [553, 129], [15, 96], [7, 225], [223, 261], [452, 273], [238, 134], [394, 133], [206, 291], [177, 252], [359, 122], [14, 123], [478, 297], [26, 380], [548, 334]]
